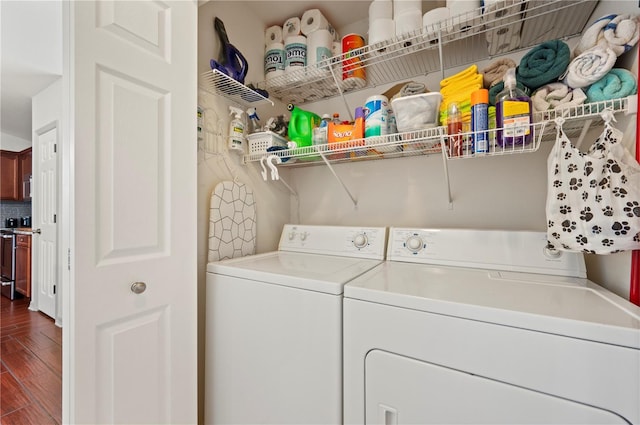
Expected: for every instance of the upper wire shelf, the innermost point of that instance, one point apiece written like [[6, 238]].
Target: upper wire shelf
[[469, 37], [219, 83]]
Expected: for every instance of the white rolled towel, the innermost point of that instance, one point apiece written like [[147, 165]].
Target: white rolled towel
[[617, 32], [589, 67], [556, 95]]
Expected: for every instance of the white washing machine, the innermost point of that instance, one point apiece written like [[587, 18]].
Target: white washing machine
[[463, 326], [274, 326]]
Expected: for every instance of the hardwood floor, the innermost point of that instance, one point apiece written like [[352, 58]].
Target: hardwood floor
[[30, 366]]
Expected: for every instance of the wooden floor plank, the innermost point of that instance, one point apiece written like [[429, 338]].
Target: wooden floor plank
[[30, 366], [12, 396]]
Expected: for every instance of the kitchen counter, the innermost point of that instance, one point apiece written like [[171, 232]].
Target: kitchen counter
[[17, 230]]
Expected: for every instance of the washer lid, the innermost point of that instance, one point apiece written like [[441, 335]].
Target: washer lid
[[568, 306], [314, 272]]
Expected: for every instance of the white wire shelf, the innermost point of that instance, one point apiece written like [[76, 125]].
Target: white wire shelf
[[431, 141], [216, 82], [462, 39]]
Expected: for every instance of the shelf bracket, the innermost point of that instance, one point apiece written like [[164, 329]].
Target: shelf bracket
[[344, 186], [339, 86], [443, 144]]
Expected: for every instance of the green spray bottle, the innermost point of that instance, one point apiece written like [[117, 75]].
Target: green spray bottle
[[301, 126]]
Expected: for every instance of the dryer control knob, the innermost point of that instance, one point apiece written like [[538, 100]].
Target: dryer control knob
[[360, 241], [414, 244], [303, 236], [292, 235]]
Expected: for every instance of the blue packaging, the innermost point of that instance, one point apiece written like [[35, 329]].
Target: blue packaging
[[480, 121]]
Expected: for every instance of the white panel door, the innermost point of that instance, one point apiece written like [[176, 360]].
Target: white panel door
[[133, 141], [45, 210]]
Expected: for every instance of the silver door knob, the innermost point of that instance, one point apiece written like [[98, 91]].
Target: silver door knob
[[138, 287]]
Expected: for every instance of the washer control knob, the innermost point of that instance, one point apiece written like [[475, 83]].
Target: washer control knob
[[303, 236], [292, 235], [551, 252], [360, 241], [414, 244]]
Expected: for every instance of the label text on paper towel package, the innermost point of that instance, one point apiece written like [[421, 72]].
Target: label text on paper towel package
[[296, 54], [273, 60]]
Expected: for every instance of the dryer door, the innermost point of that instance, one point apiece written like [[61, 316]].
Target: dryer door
[[401, 390]]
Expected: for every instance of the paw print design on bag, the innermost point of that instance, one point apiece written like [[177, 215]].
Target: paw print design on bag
[[593, 198]]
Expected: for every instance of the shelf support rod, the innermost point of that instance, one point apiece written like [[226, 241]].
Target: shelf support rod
[[344, 186], [440, 54], [443, 140], [583, 133], [335, 80]]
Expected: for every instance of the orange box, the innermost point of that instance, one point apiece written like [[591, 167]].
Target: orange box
[[337, 133]]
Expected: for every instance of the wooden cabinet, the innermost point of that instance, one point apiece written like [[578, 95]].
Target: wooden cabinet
[[9, 172], [24, 181], [14, 168], [23, 265]]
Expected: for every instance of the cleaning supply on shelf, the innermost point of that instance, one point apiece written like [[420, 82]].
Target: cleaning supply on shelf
[[544, 64], [514, 116], [618, 83], [320, 133], [343, 133], [497, 88], [480, 121], [376, 116], [236, 130], [458, 88], [336, 118], [354, 75], [301, 126], [454, 130], [254, 120]]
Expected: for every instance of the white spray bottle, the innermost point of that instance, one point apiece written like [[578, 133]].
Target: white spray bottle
[[236, 131]]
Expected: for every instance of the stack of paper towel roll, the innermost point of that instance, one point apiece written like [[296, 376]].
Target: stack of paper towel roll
[[320, 38], [407, 15], [381, 24], [504, 23], [300, 42]]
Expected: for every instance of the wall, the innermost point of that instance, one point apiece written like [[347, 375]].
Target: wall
[[9, 142], [215, 163]]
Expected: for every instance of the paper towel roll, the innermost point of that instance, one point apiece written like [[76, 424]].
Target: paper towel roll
[[381, 29], [273, 35], [505, 45], [295, 48], [405, 6], [380, 9], [274, 55], [435, 16], [290, 28], [465, 14], [503, 33], [408, 22], [319, 45], [500, 12], [313, 20]]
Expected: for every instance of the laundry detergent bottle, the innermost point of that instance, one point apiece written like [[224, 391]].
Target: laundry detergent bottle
[[514, 117], [301, 126]]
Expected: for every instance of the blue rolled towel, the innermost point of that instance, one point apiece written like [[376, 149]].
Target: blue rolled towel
[[544, 64], [616, 84]]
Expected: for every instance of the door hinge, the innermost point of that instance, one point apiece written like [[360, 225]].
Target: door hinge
[[55, 147], [54, 218], [69, 259], [54, 289]]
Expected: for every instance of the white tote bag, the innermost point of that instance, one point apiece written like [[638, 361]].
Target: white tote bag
[[593, 198]]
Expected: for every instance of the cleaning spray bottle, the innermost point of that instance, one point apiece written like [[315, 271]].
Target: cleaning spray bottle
[[236, 131], [514, 116], [254, 121]]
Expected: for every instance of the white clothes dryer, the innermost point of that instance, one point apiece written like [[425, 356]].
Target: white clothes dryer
[[274, 326], [462, 326]]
